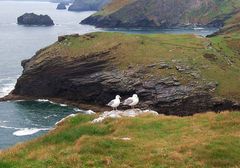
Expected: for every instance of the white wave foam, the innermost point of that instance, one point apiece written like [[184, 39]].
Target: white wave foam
[[6, 127], [46, 100], [63, 105], [9, 101], [49, 116], [77, 110], [198, 28], [42, 100], [7, 85], [29, 131], [19, 100], [4, 121], [6, 89], [25, 131]]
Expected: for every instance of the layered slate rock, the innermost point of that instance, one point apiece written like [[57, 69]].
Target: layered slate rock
[[35, 20], [93, 68]]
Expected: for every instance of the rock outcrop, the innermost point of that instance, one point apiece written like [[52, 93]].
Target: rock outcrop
[[226, 30], [61, 6], [164, 14], [95, 67], [36, 20], [85, 5], [120, 114]]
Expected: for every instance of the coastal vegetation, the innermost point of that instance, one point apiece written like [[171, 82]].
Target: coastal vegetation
[[172, 74], [191, 81], [202, 140], [164, 14]]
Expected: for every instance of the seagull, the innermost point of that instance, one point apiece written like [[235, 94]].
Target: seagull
[[115, 102], [132, 101]]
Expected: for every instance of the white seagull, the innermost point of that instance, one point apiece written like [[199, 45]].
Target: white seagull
[[115, 102], [132, 101]]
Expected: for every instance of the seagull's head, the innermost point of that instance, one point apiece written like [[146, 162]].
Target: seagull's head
[[135, 95], [118, 97]]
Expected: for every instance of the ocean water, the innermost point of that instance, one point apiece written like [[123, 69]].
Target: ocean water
[[21, 42], [195, 30], [24, 120]]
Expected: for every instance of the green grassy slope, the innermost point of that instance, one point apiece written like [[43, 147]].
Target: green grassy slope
[[202, 140], [205, 140], [214, 9], [159, 13]]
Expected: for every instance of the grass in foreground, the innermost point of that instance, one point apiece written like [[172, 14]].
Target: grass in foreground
[[203, 140]]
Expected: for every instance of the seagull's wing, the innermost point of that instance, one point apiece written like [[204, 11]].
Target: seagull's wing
[[128, 101], [111, 103]]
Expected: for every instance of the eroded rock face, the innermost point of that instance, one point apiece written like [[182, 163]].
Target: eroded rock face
[[95, 79], [36, 20]]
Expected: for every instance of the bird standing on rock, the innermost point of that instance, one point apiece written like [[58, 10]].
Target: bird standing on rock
[[132, 101], [115, 102]]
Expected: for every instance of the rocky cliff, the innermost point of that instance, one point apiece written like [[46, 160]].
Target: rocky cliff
[[87, 5], [164, 14], [36, 20], [172, 74]]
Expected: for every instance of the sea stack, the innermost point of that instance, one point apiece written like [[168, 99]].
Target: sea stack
[[61, 6], [34, 19]]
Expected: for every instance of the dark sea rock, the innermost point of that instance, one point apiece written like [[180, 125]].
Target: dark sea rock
[[61, 6], [33, 19]]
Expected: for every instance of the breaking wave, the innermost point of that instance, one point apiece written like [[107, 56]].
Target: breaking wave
[[25, 131]]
